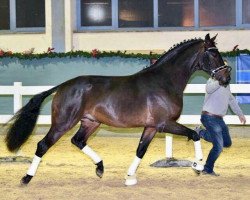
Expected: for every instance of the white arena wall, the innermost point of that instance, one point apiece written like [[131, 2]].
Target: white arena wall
[[156, 40], [134, 41], [23, 42], [61, 32]]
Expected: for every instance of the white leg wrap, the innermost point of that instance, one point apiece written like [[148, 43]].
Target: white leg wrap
[[133, 167], [93, 155], [198, 151], [169, 146], [34, 166]]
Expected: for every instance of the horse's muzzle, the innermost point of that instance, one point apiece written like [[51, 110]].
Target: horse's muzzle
[[223, 75], [228, 81], [225, 81]]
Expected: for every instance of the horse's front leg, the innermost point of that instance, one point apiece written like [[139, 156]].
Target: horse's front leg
[[178, 129], [146, 138]]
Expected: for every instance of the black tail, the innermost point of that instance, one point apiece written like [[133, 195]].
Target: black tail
[[24, 121]]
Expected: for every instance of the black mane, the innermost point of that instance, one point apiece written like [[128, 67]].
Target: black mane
[[173, 51]]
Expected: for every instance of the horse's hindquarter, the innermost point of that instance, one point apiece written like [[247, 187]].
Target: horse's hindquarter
[[67, 104]]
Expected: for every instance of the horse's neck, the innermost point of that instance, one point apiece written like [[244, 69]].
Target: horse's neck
[[180, 79], [180, 73], [176, 67]]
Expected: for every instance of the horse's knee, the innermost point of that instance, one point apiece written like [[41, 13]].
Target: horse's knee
[[79, 143], [147, 136], [140, 154]]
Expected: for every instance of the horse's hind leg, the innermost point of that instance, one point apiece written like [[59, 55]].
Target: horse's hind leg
[[48, 141], [146, 138], [88, 126]]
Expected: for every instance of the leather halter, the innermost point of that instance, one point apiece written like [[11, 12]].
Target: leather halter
[[214, 71]]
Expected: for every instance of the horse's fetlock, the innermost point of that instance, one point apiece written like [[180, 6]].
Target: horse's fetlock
[[196, 137], [41, 148], [193, 136]]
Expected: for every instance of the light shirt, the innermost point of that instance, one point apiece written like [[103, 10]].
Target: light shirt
[[218, 98]]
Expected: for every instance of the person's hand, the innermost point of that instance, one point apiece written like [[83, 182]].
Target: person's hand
[[242, 119]]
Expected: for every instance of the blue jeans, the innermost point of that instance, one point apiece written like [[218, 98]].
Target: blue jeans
[[217, 133]]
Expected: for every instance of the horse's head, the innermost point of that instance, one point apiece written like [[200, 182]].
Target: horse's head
[[213, 63]]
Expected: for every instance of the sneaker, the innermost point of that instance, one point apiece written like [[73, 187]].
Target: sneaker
[[211, 174]]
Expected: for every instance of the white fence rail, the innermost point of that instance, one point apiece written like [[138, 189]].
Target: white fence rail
[[17, 90]]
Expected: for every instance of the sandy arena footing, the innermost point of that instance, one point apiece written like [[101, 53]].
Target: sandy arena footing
[[66, 173]]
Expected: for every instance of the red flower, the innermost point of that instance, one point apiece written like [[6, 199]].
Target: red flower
[[50, 50], [1, 52], [95, 53]]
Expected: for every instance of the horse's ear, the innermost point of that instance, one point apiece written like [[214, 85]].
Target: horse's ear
[[207, 38], [213, 38]]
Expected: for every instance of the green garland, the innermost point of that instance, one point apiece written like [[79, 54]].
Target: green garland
[[235, 53], [100, 54]]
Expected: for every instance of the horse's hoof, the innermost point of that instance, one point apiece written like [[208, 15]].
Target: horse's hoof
[[99, 173], [99, 169], [197, 167], [130, 180], [26, 179]]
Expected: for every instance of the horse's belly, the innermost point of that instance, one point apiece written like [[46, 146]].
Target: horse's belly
[[123, 120], [124, 112], [120, 117]]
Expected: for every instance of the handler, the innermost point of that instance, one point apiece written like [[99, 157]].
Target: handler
[[217, 99]]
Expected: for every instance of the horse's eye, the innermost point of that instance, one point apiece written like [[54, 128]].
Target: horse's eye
[[214, 54]]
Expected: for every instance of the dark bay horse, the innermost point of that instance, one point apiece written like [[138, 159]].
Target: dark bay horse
[[151, 98]]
